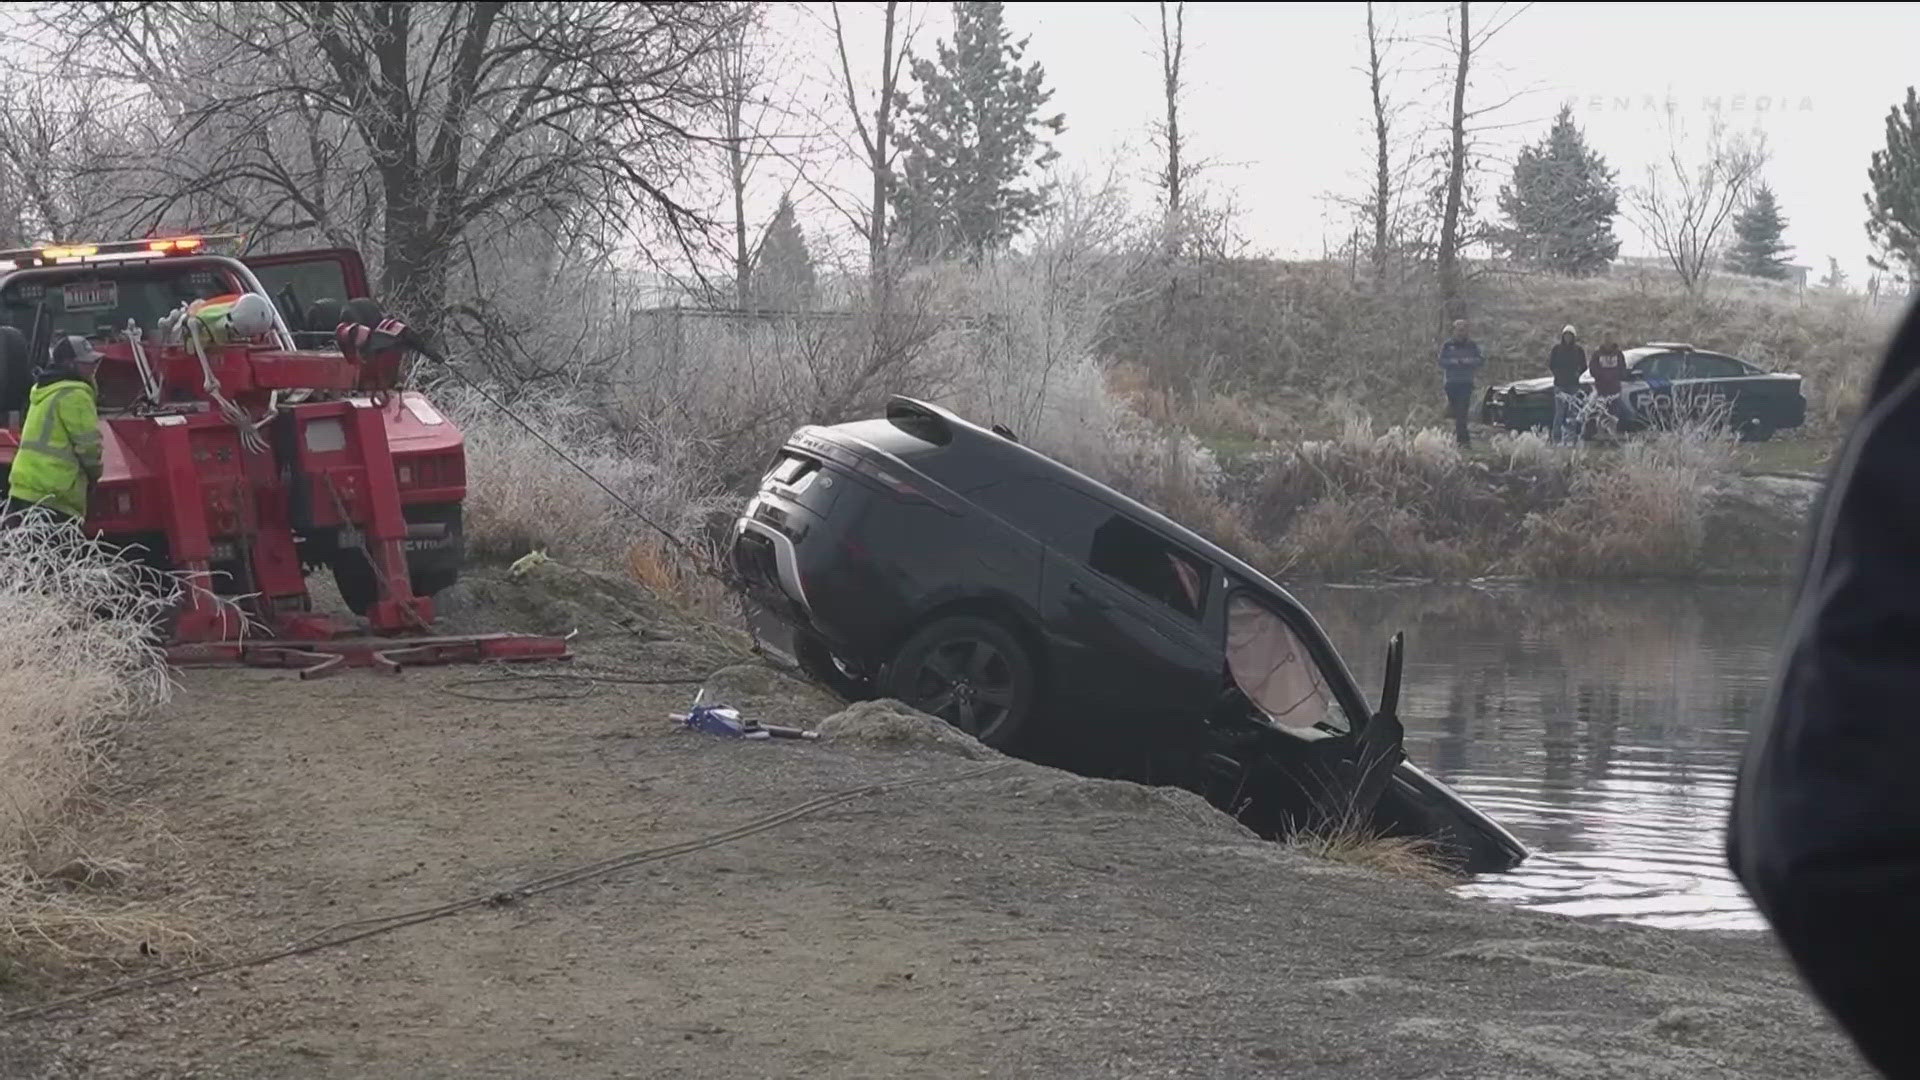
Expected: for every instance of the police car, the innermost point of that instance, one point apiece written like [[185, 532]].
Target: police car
[[1668, 382]]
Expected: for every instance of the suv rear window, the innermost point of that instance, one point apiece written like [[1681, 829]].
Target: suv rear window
[[1137, 557]]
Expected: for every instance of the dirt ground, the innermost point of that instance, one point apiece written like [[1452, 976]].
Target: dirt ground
[[1022, 923]]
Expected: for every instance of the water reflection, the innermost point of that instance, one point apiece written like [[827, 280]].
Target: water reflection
[[1602, 725]]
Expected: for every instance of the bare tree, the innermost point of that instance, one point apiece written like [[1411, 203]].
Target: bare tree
[[1463, 124], [1173, 48], [756, 116], [461, 114], [738, 76], [1449, 253], [1685, 205], [873, 126], [50, 136], [1380, 203]]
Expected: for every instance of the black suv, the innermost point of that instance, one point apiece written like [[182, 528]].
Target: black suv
[[923, 558]]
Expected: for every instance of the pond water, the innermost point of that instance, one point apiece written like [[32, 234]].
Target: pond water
[[1602, 725]]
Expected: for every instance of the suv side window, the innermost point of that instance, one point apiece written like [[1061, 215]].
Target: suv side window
[[1137, 557], [1059, 517]]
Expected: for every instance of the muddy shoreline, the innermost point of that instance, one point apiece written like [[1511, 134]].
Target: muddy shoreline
[[1022, 923]]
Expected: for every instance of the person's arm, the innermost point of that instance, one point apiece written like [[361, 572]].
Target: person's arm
[[1473, 359], [1825, 831], [1446, 356], [80, 417]]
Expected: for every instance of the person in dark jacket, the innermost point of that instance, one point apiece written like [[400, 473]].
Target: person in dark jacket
[[1459, 359], [1609, 371], [1567, 362], [1825, 830]]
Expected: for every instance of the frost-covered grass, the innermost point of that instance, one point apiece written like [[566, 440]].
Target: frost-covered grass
[[80, 655], [1407, 501]]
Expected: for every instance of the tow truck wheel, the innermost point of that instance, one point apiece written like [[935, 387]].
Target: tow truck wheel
[[355, 579], [360, 587], [969, 672]]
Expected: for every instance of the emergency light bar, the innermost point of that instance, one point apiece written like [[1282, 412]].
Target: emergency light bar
[[52, 254]]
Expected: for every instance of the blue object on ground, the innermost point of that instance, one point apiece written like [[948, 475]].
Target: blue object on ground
[[724, 722]]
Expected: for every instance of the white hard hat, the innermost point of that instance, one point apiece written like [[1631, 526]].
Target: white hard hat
[[251, 316]]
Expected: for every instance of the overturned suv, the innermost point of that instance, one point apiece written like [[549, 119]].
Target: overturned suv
[[923, 558]]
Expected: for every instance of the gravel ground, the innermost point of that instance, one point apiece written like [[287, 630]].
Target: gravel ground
[[1021, 923]]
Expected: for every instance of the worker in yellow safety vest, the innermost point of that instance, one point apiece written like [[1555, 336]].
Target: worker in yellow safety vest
[[59, 457]]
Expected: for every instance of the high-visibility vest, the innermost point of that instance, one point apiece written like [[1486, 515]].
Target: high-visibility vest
[[59, 447]]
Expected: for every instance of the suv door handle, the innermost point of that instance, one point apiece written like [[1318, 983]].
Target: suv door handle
[[1075, 589]]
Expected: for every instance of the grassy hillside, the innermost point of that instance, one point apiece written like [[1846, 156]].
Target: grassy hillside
[[1266, 348]]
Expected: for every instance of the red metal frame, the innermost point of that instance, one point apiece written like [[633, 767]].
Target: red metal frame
[[349, 458]]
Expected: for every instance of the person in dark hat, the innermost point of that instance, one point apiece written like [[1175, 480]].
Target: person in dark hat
[[1567, 362]]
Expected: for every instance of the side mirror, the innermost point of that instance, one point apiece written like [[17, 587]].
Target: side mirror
[[1382, 744], [1390, 683]]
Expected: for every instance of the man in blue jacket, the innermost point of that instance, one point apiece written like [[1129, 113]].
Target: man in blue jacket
[[1459, 359], [1825, 832]]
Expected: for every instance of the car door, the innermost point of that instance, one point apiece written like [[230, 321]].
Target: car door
[[1707, 386], [1337, 754], [1125, 611], [1733, 391], [1650, 390]]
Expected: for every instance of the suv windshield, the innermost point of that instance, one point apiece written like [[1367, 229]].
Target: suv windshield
[[97, 301]]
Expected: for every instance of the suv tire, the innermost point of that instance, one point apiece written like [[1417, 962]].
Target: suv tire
[[970, 672]]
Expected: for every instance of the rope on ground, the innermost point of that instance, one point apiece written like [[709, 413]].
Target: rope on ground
[[588, 680], [348, 932]]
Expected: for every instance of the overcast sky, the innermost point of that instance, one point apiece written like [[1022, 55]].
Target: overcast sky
[[1277, 96]]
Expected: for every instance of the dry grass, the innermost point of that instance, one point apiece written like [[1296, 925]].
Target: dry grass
[[522, 497], [1408, 502], [680, 579], [1413, 858], [80, 655], [78, 914], [1638, 510]]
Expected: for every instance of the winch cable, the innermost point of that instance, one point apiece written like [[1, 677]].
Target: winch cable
[[360, 929], [680, 545]]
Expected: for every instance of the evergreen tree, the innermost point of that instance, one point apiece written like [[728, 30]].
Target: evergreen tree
[[1561, 204], [1836, 278], [971, 138], [1758, 250], [1893, 206], [783, 275]]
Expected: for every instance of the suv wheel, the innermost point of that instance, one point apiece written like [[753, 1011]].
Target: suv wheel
[[969, 672]]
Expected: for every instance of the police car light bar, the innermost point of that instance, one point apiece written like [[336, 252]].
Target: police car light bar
[[52, 254]]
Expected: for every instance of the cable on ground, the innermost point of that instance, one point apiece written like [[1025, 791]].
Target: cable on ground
[[357, 930]]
